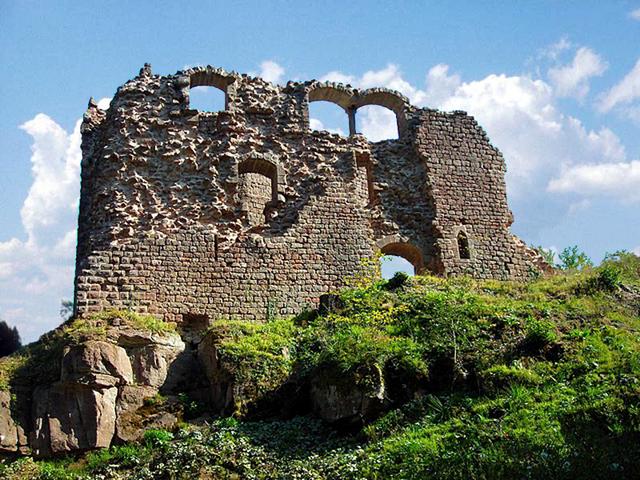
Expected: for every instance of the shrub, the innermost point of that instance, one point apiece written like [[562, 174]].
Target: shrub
[[398, 280], [503, 376], [547, 254], [122, 456], [157, 438], [607, 279], [626, 263], [538, 334], [571, 258]]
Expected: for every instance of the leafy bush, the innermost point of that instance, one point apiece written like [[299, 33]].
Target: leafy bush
[[538, 334], [398, 280], [547, 254], [157, 438], [122, 456], [571, 258]]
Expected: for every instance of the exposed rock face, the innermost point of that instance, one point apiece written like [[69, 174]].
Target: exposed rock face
[[97, 364], [222, 385], [12, 434], [102, 385], [73, 416], [133, 418], [151, 355], [247, 213], [230, 392]]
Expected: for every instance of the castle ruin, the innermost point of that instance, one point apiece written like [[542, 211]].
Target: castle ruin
[[248, 213]]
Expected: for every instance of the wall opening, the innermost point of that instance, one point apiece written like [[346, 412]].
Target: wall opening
[[329, 117], [257, 186], [207, 99], [255, 192], [464, 252], [405, 255], [392, 264], [377, 123]]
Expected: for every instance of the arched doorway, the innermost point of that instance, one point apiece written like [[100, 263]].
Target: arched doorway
[[401, 257]]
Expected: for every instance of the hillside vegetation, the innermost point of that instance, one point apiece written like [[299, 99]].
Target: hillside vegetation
[[481, 380]]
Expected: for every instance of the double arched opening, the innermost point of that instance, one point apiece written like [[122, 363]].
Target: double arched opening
[[382, 112]]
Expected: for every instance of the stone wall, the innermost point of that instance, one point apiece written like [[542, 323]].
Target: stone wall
[[247, 213]]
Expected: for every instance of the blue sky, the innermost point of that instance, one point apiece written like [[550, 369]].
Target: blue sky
[[555, 84]]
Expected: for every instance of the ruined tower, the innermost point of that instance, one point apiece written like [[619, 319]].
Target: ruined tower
[[247, 213]]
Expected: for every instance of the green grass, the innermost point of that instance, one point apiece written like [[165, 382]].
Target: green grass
[[148, 323], [39, 362]]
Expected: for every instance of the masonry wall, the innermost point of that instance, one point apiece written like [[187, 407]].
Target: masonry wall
[[246, 213]]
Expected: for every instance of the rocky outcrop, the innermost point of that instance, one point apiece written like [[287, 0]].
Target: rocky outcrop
[[245, 385], [133, 416], [103, 382], [72, 416], [12, 434]]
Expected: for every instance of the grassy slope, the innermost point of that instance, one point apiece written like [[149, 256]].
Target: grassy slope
[[536, 380]]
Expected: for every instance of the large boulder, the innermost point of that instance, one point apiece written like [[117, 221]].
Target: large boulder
[[98, 395], [72, 416], [151, 356], [222, 386], [245, 385], [12, 434], [98, 363]]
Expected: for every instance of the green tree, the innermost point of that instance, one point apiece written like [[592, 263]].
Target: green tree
[[547, 254], [571, 258], [9, 339], [66, 309]]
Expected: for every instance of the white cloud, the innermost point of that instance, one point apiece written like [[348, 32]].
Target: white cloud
[[378, 123], [625, 92], [441, 85], [271, 71], [338, 77], [620, 180], [554, 50], [316, 124], [635, 14], [579, 206], [572, 80], [636, 250], [41, 266], [55, 164], [522, 119]]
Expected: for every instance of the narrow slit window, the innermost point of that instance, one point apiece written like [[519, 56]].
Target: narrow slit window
[[463, 246]]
